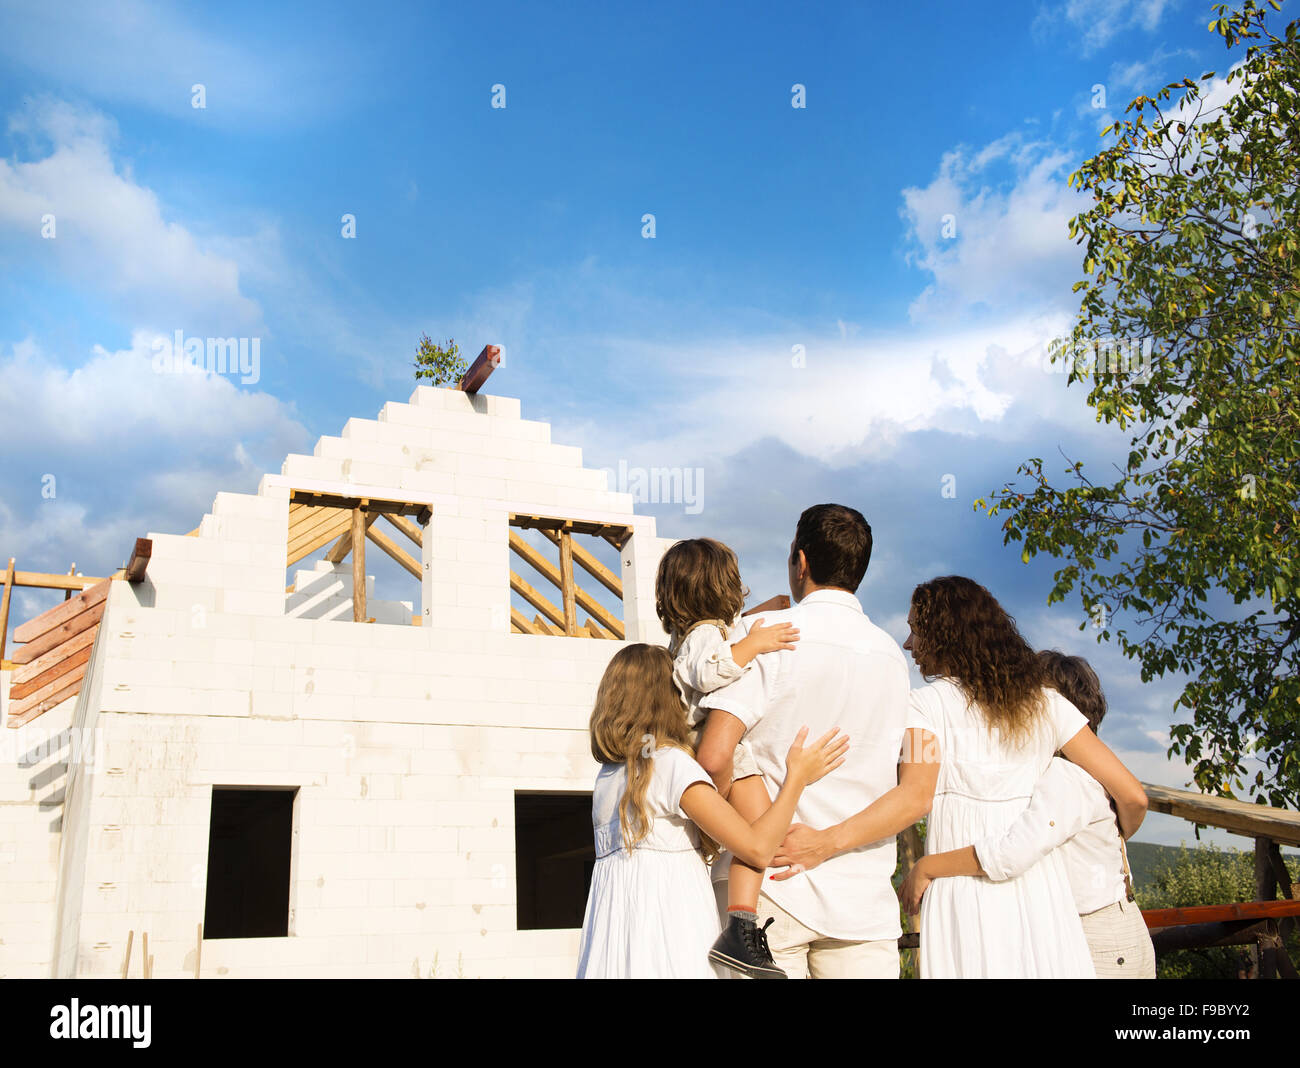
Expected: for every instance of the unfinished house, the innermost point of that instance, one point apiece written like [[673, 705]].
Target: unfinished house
[[240, 758]]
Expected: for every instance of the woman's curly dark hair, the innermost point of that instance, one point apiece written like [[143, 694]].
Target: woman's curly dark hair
[[960, 632]]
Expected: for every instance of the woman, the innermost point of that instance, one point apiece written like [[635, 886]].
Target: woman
[[995, 728]]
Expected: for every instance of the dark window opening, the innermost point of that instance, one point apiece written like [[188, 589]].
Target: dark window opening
[[250, 842], [554, 858]]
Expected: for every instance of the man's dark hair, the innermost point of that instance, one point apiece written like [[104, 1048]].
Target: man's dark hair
[[836, 542]]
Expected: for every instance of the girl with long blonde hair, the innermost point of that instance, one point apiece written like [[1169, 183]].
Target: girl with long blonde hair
[[650, 911]]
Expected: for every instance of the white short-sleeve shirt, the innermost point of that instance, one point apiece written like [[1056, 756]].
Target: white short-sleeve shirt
[[671, 830], [845, 672]]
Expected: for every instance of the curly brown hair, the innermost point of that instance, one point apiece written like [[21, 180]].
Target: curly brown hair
[[1073, 678], [638, 709], [698, 579], [960, 632]]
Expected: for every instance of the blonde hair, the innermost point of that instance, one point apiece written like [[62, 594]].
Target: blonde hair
[[638, 709]]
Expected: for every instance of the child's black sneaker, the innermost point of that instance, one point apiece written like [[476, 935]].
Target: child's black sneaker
[[742, 947]]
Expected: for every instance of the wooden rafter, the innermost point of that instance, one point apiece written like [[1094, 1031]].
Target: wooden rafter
[[394, 550], [360, 522], [371, 504], [577, 526], [406, 527], [547, 628], [537, 600], [520, 624], [340, 549], [582, 598], [589, 563]]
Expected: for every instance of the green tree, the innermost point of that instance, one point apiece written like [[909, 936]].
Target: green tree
[[441, 365], [1191, 297]]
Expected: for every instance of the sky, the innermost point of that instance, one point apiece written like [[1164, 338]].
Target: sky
[[847, 300]]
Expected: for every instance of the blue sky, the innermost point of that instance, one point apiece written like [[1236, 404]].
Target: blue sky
[[775, 227]]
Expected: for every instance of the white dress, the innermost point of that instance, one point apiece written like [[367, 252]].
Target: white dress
[[651, 913], [1026, 927]]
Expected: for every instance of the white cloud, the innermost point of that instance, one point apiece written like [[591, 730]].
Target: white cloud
[[149, 55], [111, 232], [129, 450], [1098, 22], [1011, 247]]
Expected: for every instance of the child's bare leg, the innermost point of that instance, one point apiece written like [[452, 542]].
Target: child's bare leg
[[748, 797]]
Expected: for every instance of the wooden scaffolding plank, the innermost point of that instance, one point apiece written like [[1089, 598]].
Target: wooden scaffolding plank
[[63, 666], [60, 614], [52, 639], [395, 551], [406, 527], [584, 600], [589, 563], [537, 600], [29, 670]]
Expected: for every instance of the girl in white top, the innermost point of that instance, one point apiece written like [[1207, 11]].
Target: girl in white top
[[993, 728], [698, 597], [1068, 812], [650, 912]]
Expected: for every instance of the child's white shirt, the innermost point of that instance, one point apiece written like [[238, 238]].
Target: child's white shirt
[[703, 663]]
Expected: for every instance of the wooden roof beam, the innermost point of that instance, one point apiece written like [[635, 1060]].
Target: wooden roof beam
[[488, 361]]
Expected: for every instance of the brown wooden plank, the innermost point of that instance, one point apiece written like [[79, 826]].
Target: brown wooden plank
[[48, 696], [52, 639], [51, 674], [519, 622], [60, 614], [537, 600], [566, 583], [595, 629], [1247, 910], [589, 563], [578, 526], [406, 527], [325, 534], [547, 628], [395, 551], [486, 362], [340, 549], [1240, 817], [28, 671], [548, 570], [4, 607], [40, 580], [372, 504], [313, 526], [139, 562], [308, 518], [358, 565]]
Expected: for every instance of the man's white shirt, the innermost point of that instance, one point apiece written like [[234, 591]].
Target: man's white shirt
[[844, 672]]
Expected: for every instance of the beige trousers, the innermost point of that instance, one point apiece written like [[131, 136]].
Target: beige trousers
[[1120, 942], [802, 953]]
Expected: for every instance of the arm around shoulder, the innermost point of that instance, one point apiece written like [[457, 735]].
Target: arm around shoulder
[[1090, 753]]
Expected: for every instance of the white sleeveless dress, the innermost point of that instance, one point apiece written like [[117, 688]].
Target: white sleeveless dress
[[1026, 927], [650, 913]]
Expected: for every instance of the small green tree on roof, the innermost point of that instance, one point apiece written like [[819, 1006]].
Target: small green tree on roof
[[440, 365]]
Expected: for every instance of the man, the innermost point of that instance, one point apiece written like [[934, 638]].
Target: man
[[839, 917]]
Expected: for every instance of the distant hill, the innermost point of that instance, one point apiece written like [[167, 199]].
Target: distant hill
[[1145, 859]]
